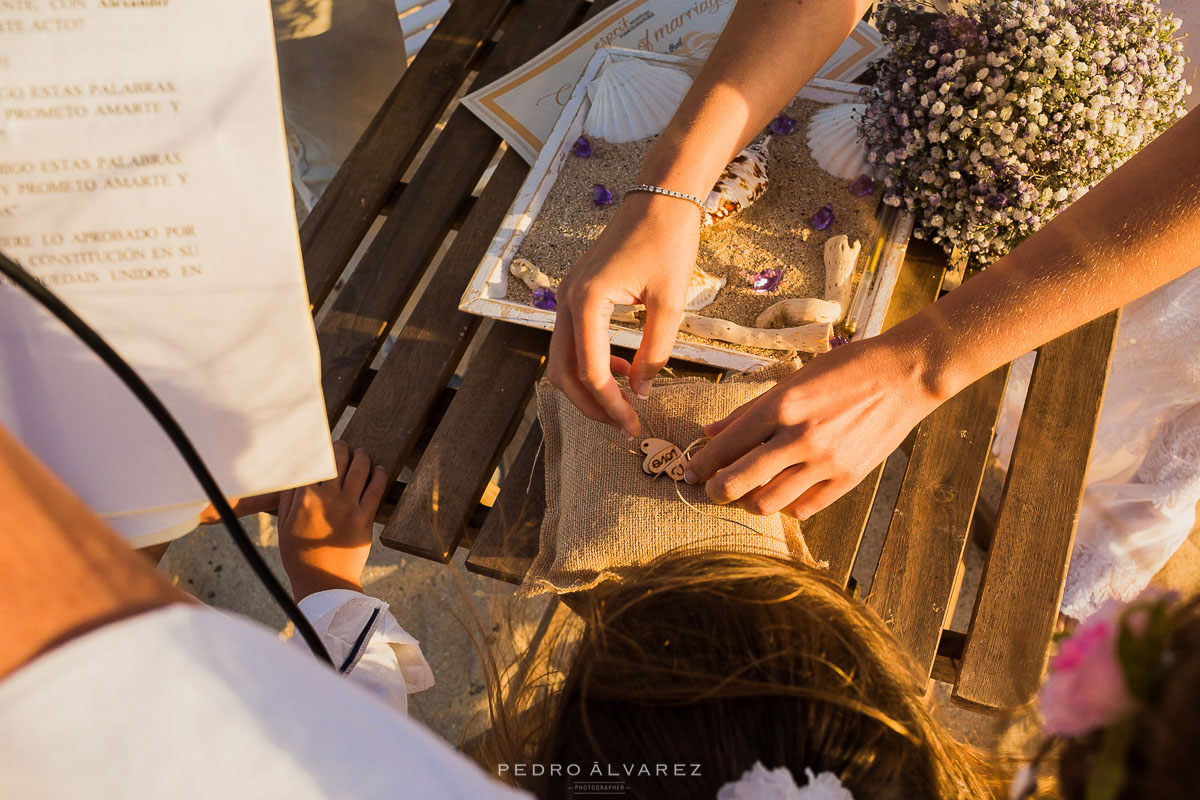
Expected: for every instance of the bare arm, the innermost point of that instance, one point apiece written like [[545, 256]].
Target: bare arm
[[1138, 229], [63, 572], [845, 412], [769, 49]]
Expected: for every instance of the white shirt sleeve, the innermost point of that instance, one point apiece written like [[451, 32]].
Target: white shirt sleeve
[[188, 703], [368, 645]]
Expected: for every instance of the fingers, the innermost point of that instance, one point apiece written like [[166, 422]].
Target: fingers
[[658, 340], [744, 435], [372, 495], [818, 497], [778, 493], [593, 356], [341, 458], [562, 369], [357, 474], [758, 467], [619, 366]]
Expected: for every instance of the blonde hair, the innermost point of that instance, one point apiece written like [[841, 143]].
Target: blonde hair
[[720, 660]]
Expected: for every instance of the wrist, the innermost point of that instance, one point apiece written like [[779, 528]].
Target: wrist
[[925, 358], [311, 575], [662, 209]]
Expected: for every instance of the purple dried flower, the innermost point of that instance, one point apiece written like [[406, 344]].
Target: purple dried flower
[[837, 341], [545, 299], [997, 201], [862, 186], [823, 218], [601, 196], [782, 125], [766, 280], [582, 147]]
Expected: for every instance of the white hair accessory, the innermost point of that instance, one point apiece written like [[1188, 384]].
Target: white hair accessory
[[760, 783]]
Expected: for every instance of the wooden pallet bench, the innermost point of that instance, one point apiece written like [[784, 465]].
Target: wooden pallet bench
[[448, 441]]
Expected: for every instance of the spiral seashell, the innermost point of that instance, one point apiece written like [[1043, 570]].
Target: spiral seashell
[[742, 182], [632, 100], [835, 142], [702, 290]]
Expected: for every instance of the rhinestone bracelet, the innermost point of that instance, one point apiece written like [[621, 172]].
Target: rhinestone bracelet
[[691, 198]]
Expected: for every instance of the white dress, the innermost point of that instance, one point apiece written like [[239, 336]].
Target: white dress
[[1143, 483]]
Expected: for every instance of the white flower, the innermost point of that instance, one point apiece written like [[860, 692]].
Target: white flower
[[760, 783], [1024, 783]]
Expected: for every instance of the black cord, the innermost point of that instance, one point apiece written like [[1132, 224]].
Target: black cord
[[175, 433]]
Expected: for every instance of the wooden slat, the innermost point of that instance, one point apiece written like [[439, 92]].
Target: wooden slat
[[1022, 582], [508, 541], [834, 534], [391, 414], [454, 469], [915, 580], [392, 266], [919, 283], [336, 226]]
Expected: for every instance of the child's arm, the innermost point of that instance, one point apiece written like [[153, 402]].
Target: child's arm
[[768, 50], [324, 540]]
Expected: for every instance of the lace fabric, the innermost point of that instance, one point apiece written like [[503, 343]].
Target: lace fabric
[[1143, 484]]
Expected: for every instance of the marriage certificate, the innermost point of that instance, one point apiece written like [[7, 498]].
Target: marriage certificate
[[144, 179]]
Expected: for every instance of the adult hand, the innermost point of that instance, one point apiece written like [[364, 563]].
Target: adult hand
[[645, 255], [815, 435]]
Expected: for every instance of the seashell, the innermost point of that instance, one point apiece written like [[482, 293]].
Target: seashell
[[702, 290], [529, 274], [835, 142], [742, 182], [633, 99]]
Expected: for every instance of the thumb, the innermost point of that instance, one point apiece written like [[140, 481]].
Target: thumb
[[658, 339]]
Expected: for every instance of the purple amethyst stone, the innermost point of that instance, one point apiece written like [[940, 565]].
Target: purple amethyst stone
[[782, 125], [823, 218], [545, 299], [582, 147], [766, 280], [601, 196], [862, 186], [837, 341]]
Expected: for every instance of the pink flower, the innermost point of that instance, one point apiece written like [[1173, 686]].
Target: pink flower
[[1086, 687]]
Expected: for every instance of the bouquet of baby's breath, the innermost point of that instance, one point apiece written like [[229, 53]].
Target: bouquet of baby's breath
[[987, 124]]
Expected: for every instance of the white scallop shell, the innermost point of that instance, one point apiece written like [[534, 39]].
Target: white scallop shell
[[702, 290], [835, 143], [742, 182], [631, 100]]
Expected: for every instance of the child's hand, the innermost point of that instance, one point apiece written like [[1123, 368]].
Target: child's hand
[[325, 529]]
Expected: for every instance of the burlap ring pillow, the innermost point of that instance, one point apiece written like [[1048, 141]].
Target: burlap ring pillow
[[604, 514]]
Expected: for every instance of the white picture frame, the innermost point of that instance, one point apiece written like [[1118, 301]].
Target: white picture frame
[[486, 294]]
